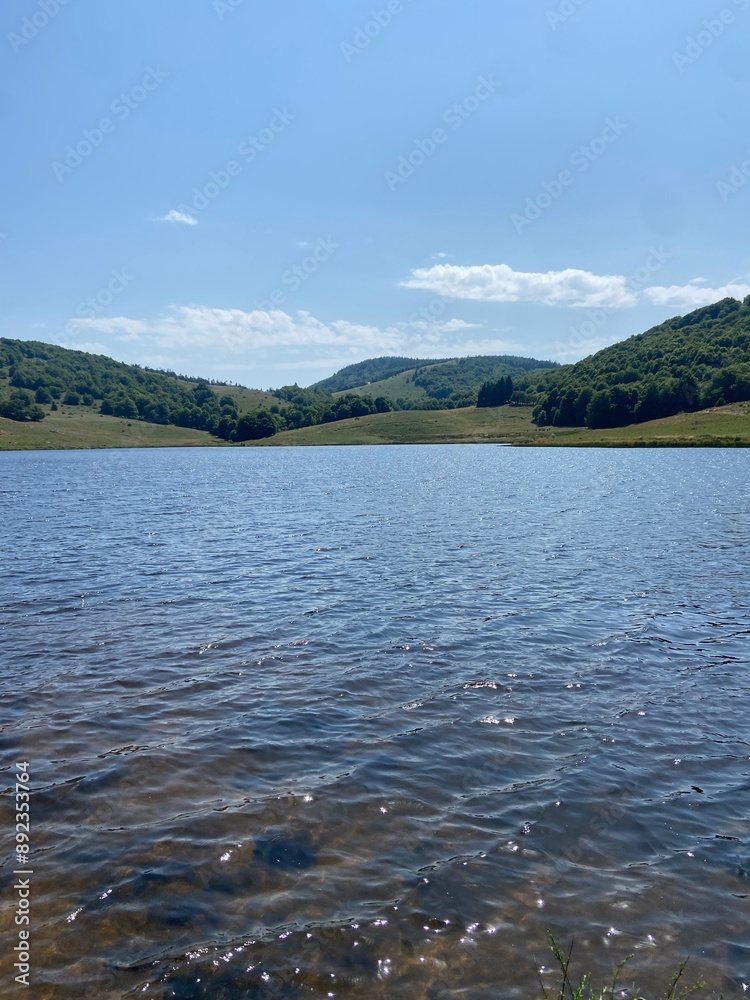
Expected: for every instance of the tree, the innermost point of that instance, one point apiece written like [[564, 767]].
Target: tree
[[255, 426], [20, 406], [495, 393], [126, 408], [600, 411], [227, 427]]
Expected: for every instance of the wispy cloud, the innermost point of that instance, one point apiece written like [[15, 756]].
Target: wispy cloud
[[234, 332], [693, 295], [182, 218], [119, 326], [500, 283]]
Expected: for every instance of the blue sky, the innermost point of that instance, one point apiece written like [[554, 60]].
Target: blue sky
[[263, 191]]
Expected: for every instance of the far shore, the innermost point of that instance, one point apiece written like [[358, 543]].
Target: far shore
[[81, 428]]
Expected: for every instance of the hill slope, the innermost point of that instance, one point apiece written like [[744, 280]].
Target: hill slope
[[455, 381], [728, 426], [689, 363], [365, 372], [37, 379], [83, 427]]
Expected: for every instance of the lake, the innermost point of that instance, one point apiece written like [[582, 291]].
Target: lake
[[373, 722]]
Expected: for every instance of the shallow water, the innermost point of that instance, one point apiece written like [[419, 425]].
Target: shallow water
[[371, 722]]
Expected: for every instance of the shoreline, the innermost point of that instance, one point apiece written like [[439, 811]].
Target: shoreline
[[78, 429]]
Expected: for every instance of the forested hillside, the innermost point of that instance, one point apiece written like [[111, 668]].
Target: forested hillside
[[443, 384], [462, 378], [689, 363], [365, 372], [37, 378]]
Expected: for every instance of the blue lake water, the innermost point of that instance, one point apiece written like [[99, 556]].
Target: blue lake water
[[371, 722]]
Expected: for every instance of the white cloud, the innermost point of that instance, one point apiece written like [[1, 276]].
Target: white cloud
[[180, 217], [451, 326], [120, 326], [693, 295], [232, 332], [500, 283]]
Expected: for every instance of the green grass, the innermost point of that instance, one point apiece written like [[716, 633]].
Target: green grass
[[396, 387], [584, 989], [85, 427], [415, 427], [728, 426], [248, 399]]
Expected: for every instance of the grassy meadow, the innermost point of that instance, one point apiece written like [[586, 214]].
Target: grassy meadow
[[85, 427], [248, 400], [396, 387], [726, 426]]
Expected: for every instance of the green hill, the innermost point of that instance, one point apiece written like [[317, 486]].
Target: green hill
[[454, 382], [364, 372], [39, 379], [400, 388], [687, 364]]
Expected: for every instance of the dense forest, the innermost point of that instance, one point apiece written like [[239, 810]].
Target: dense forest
[[689, 363]]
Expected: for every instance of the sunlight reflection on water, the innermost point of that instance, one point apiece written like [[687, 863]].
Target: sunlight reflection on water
[[371, 722]]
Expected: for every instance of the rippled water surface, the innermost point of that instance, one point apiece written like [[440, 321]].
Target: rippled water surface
[[370, 722]]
